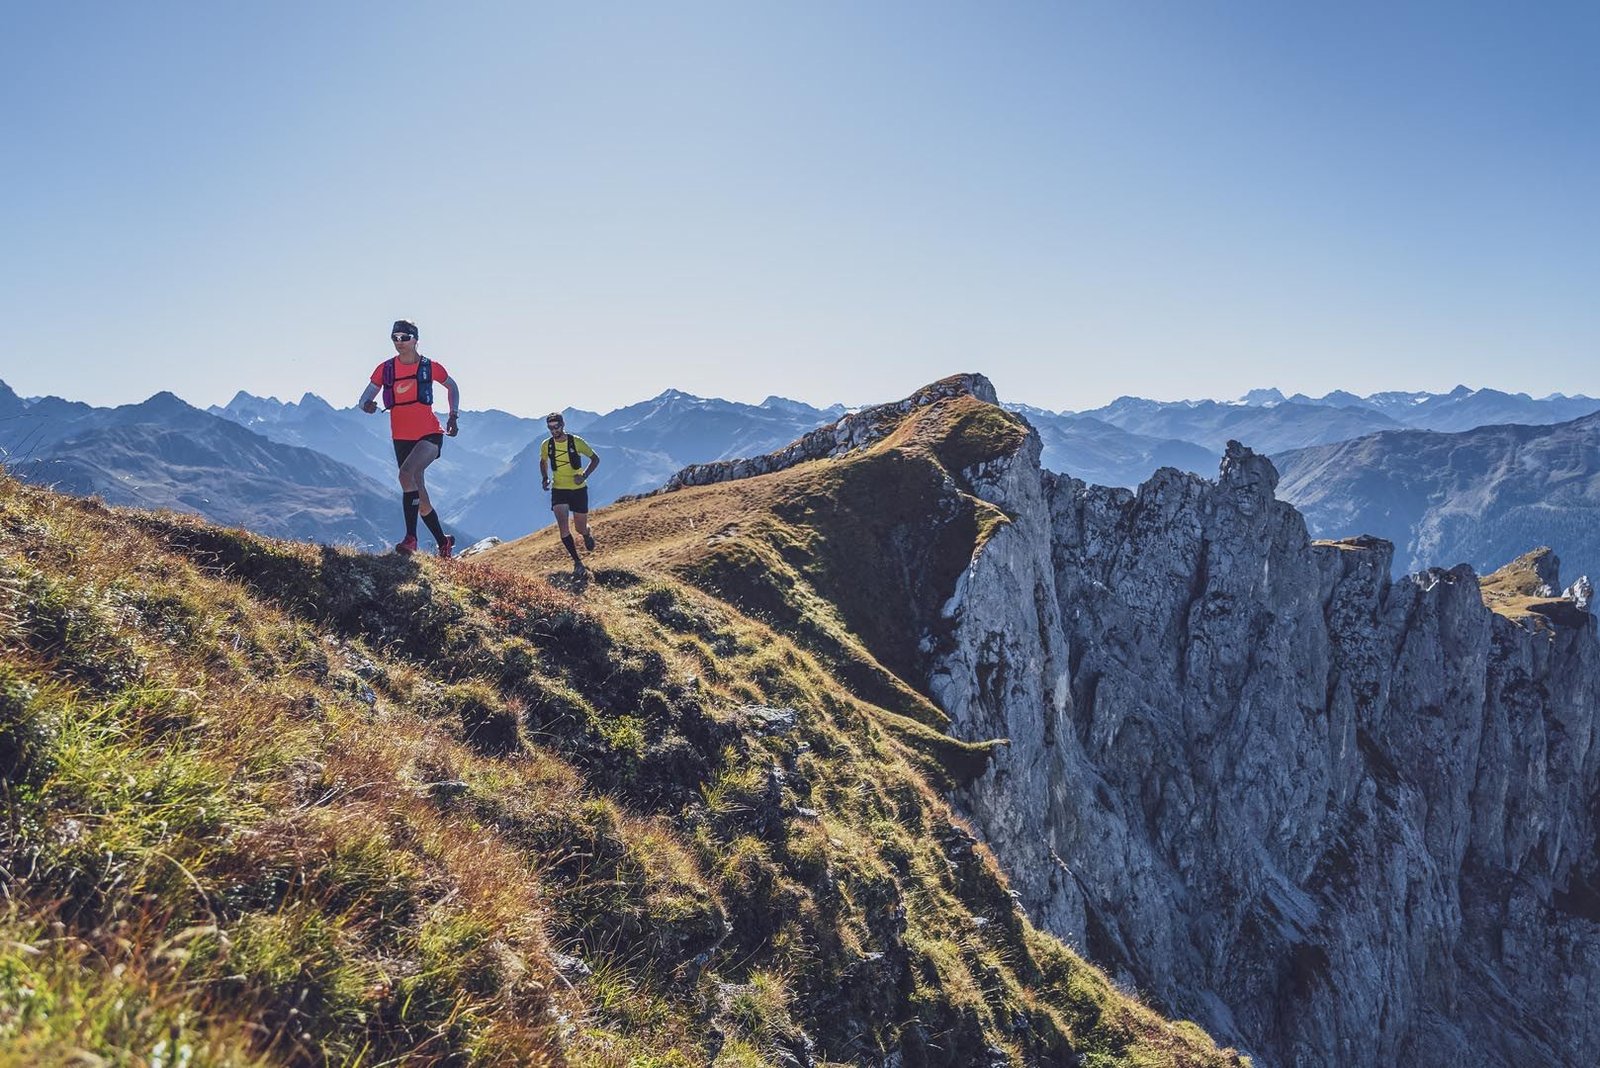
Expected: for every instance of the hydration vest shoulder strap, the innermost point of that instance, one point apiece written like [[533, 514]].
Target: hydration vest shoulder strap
[[424, 382], [572, 453]]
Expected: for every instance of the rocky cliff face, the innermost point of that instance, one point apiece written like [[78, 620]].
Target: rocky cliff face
[[1336, 819]]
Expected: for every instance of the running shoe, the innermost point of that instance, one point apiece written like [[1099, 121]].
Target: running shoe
[[579, 571], [588, 541], [407, 547], [447, 548]]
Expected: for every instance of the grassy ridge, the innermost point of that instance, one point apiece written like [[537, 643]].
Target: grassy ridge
[[844, 555], [273, 804]]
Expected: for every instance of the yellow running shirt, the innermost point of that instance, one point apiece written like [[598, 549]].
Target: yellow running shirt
[[563, 475]]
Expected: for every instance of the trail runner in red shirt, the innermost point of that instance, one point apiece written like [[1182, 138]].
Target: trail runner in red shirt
[[406, 382]]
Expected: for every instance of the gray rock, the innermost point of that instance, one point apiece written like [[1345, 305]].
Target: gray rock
[[571, 967], [480, 546], [1336, 819], [764, 720]]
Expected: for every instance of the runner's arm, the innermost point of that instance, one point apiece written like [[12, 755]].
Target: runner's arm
[[455, 404], [594, 462], [544, 471], [366, 398]]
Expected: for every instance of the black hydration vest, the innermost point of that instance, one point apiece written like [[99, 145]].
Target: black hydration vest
[[572, 453], [424, 383]]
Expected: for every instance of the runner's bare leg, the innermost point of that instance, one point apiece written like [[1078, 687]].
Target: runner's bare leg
[[421, 456]]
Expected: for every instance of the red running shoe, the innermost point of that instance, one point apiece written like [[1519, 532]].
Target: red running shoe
[[407, 547], [447, 548]]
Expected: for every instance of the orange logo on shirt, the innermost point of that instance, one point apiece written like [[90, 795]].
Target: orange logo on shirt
[[402, 387]]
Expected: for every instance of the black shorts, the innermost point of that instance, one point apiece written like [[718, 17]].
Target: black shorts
[[402, 449], [576, 500]]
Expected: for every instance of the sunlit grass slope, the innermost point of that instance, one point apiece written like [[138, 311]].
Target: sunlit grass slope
[[272, 804], [848, 555], [1518, 592]]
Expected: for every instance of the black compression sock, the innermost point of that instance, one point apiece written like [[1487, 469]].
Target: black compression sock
[[432, 519], [566, 539], [410, 505]]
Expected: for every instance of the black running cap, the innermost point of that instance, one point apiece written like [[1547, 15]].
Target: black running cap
[[405, 326]]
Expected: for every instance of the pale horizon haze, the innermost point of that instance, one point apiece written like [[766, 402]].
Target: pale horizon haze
[[585, 205]]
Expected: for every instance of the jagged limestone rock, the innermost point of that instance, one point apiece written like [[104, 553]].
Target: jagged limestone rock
[[1337, 820], [481, 546]]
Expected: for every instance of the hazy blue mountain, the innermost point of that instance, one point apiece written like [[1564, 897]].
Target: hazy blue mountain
[[1106, 455], [1269, 422], [1463, 409], [1460, 409], [487, 480], [29, 425], [1265, 428], [641, 446], [512, 503], [163, 453], [488, 439], [1482, 496], [697, 430], [11, 405]]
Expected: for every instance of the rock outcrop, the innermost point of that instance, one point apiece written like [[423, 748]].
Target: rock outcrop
[[1337, 819], [849, 433]]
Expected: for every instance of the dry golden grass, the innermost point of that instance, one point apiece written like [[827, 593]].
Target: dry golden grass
[[1514, 592]]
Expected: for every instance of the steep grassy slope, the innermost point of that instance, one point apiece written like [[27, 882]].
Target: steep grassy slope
[[273, 804], [842, 553]]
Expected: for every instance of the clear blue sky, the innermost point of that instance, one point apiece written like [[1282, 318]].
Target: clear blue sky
[[584, 204]]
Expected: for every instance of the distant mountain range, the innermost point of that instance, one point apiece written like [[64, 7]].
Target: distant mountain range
[[641, 446], [307, 470], [1191, 435], [163, 453], [362, 441], [1392, 464], [1107, 455], [1482, 496]]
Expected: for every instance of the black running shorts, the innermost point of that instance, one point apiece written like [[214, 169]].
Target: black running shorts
[[576, 500], [402, 449]]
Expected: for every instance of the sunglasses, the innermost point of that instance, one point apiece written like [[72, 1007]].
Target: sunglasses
[[403, 337]]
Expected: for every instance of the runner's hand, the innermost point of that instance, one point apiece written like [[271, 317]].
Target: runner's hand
[[546, 482], [580, 479], [450, 425], [370, 407]]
